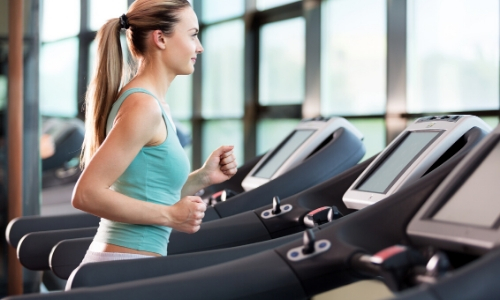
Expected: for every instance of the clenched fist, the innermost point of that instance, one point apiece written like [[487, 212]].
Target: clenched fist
[[187, 214]]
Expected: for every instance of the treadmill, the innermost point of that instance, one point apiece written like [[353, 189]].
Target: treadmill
[[376, 241], [332, 143], [312, 207], [294, 215]]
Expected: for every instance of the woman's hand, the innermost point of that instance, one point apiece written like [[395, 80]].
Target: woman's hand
[[220, 166], [187, 214]]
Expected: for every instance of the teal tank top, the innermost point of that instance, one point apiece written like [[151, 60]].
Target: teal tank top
[[157, 174]]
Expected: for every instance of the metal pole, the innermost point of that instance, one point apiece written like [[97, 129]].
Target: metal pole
[[312, 102], [197, 116], [250, 87], [15, 135], [396, 68]]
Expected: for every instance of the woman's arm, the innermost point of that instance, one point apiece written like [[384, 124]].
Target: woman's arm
[[219, 167], [138, 123]]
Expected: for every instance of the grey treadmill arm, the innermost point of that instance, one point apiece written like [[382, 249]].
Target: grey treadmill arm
[[19, 227]]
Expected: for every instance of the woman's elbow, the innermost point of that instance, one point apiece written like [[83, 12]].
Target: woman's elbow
[[79, 198]]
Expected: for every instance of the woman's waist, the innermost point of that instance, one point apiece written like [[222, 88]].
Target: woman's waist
[[152, 195], [149, 238], [132, 230], [97, 246]]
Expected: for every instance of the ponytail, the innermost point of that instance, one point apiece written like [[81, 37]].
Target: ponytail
[[104, 87]]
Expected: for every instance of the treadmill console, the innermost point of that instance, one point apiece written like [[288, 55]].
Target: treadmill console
[[302, 142], [463, 214], [409, 157]]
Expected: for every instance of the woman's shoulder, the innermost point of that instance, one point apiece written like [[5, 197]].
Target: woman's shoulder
[[139, 100], [137, 120], [138, 107]]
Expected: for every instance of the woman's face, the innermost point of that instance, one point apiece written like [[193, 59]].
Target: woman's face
[[183, 45]]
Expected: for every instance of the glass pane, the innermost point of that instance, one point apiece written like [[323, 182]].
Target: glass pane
[[222, 89], [216, 10], [271, 132], [410, 121], [187, 126], [224, 132], [374, 135], [179, 97], [61, 19], [453, 55], [354, 51], [58, 78], [282, 57], [266, 4], [3, 91], [492, 121], [101, 11]]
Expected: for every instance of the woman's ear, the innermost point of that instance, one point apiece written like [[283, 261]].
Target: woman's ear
[[159, 39]]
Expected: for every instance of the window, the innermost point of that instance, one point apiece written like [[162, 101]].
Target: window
[[282, 62], [222, 88], [373, 131], [353, 74], [102, 11], [59, 57], [492, 121], [222, 132], [58, 78], [266, 4], [271, 132], [61, 19], [179, 97], [186, 127], [3, 92], [452, 65], [453, 55], [223, 70], [216, 10]]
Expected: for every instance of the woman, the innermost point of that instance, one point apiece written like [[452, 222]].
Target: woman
[[135, 170]]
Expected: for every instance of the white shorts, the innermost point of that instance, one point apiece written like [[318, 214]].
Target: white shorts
[[92, 256]]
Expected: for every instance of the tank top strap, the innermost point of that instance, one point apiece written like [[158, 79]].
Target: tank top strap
[[118, 103]]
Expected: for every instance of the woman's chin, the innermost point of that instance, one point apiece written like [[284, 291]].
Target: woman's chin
[[188, 71]]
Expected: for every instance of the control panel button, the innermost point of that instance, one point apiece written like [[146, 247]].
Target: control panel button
[[320, 246], [276, 205], [277, 209], [310, 248]]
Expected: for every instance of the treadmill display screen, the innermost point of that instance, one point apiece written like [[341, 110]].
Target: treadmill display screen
[[477, 201], [380, 180], [272, 164]]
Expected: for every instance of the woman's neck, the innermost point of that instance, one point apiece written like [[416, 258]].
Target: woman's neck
[[153, 78]]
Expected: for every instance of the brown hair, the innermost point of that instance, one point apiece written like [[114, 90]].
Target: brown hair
[[143, 16]]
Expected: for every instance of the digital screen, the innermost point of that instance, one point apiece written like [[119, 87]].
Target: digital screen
[[277, 159], [386, 173], [477, 201]]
